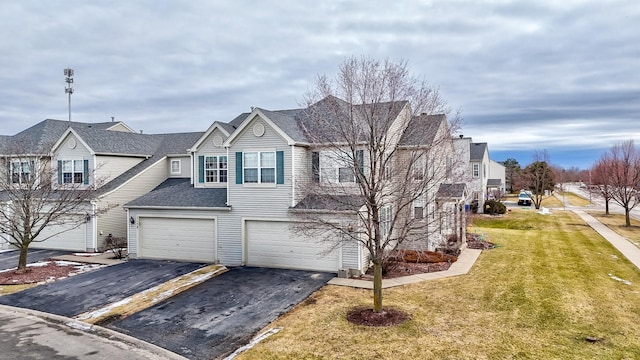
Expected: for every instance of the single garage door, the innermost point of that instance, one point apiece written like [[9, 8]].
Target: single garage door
[[177, 239], [272, 244], [61, 239]]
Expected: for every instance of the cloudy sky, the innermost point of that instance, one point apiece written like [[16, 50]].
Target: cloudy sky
[[528, 75]]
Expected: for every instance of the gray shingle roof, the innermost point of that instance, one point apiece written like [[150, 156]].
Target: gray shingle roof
[[40, 138], [422, 130], [164, 144], [179, 193], [330, 202], [476, 151], [451, 190]]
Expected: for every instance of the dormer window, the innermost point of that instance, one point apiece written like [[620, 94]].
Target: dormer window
[[73, 172], [175, 167]]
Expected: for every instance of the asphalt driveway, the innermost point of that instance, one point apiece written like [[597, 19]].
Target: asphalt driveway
[[220, 315], [9, 259], [92, 290]]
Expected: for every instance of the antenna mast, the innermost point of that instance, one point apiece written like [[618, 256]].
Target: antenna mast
[[68, 89]]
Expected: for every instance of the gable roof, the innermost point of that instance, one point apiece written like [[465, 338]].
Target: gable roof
[[476, 151], [422, 130], [330, 203], [179, 193], [40, 138]]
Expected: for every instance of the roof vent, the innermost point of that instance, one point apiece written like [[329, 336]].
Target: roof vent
[[461, 136]]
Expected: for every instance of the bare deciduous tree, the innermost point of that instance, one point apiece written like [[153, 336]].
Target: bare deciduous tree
[[31, 200], [538, 177], [381, 147], [600, 183], [624, 176]]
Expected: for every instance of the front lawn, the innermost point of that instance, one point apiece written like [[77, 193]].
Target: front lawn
[[553, 289], [616, 222]]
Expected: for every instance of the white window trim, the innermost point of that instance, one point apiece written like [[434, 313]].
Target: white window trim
[[31, 165], [475, 170], [259, 168], [179, 171], [73, 170], [218, 169]]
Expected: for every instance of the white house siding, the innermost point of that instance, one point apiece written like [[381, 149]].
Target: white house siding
[[222, 219], [185, 166], [110, 167], [114, 221], [207, 147], [120, 127], [302, 164], [397, 128]]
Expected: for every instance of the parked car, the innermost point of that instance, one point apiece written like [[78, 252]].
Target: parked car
[[524, 199]]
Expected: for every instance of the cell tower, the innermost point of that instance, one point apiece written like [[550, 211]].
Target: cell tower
[[68, 89]]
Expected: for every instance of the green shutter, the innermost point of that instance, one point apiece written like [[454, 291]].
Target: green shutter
[[239, 167], [86, 172], [59, 171], [200, 169], [279, 167]]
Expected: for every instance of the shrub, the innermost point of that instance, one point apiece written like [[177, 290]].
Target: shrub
[[117, 245], [493, 207]]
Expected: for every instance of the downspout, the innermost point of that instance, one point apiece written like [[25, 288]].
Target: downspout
[[293, 177], [128, 231], [94, 226], [228, 170]]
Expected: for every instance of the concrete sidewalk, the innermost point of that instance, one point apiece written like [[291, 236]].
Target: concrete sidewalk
[[31, 334], [465, 261], [102, 259], [623, 245]]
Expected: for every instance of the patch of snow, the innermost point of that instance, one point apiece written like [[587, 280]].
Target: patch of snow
[[38, 264], [97, 313], [67, 263], [7, 250], [87, 254], [626, 282], [79, 326], [254, 342], [614, 257]]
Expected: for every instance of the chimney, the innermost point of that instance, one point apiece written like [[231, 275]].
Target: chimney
[[113, 119]]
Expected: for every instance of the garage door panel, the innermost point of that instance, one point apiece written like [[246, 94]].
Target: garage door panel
[[273, 244], [72, 240], [177, 239]]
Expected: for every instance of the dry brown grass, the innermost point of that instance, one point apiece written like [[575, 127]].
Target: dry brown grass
[[574, 199], [10, 289], [537, 296], [617, 223]]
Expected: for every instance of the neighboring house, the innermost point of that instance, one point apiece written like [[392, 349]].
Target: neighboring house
[[120, 163], [246, 189], [481, 174]]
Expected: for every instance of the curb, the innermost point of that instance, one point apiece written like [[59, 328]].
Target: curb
[[155, 350]]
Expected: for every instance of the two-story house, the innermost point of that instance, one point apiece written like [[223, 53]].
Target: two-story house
[[475, 167], [249, 183], [118, 163]]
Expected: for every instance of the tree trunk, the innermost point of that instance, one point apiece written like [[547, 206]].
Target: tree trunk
[[377, 286], [606, 206], [627, 217], [22, 262]]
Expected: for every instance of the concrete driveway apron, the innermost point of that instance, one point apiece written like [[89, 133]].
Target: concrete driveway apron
[[220, 315], [97, 288], [9, 259]]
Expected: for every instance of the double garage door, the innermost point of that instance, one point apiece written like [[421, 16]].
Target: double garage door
[[59, 237], [273, 244], [183, 239]]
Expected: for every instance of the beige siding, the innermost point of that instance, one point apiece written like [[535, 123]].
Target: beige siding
[[185, 166], [66, 152], [115, 221], [110, 167], [119, 127], [302, 163]]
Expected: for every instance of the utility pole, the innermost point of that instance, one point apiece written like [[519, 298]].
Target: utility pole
[[68, 89]]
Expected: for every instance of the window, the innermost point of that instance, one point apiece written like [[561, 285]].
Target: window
[[476, 171], [21, 171], [315, 166], [72, 171], [259, 167], [386, 216], [175, 167], [418, 208], [215, 169], [347, 173]]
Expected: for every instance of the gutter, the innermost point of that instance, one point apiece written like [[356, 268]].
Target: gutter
[[226, 208]]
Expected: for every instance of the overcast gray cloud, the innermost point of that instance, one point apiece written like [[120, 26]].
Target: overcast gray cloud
[[556, 75]]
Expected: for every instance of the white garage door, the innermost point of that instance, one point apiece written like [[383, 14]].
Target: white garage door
[[271, 244], [177, 239], [73, 240]]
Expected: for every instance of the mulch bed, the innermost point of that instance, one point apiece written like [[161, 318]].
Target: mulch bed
[[36, 274], [366, 316], [475, 241]]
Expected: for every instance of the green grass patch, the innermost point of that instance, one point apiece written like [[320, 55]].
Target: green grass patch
[[537, 296]]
